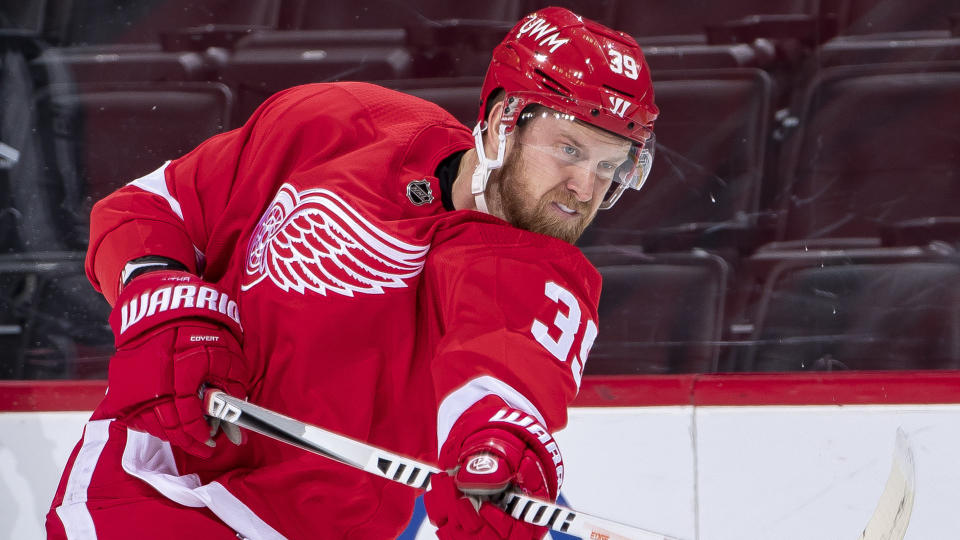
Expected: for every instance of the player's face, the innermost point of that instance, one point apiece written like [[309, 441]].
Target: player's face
[[556, 174]]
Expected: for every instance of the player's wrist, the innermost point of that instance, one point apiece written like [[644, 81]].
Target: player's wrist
[[149, 263]]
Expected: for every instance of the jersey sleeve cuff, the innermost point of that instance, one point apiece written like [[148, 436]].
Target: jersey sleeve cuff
[[129, 241]]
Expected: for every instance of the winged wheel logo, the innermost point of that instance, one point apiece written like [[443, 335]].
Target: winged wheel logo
[[313, 240]]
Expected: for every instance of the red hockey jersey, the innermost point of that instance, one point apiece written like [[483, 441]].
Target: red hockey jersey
[[368, 308]]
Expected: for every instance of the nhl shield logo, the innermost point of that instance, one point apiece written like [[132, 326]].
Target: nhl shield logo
[[419, 192]]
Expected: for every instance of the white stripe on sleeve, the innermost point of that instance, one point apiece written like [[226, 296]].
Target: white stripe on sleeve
[[156, 183], [464, 397]]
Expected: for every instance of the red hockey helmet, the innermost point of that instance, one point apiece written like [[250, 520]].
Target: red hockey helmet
[[578, 67]]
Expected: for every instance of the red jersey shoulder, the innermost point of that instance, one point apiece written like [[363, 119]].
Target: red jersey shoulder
[[395, 107], [425, 132], [467, 241], [371, 108], [375, 135]]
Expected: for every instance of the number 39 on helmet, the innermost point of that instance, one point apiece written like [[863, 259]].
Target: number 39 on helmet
[[580, 68]]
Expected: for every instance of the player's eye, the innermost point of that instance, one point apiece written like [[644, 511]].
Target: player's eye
[[605, 169], [569, 152]]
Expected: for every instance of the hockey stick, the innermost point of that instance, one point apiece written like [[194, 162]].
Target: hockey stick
[[406, 470], [890, 519]]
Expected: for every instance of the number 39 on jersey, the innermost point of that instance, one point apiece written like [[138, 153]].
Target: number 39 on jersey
[[567, 321]]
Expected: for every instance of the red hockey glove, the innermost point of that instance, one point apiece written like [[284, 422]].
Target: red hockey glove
[[174, 333], [488, 450]]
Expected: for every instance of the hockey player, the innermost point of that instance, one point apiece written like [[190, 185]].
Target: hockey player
[[355, 258]]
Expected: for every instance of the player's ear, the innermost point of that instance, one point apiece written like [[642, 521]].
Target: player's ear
[[490, 136]]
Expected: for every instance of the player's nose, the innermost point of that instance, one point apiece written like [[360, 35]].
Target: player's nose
[[581, 181]]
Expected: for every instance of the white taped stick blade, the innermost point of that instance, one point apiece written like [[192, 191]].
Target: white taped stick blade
[[890, 519]]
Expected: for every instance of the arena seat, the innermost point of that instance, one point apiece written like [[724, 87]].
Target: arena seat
[[709, 159], [320, 39], [306, 14], [53, 325], [601, 11], [659, 313], [92, 22], [22, 17], [89, 139], [93, 138], [462, 101], [865, 309], [665, 22], [847, 52], [119, 63], [700, 56], [875, 145], [874, 17], [257, 73]]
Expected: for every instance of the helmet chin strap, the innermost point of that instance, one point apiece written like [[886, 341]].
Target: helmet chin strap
[[485, 165]]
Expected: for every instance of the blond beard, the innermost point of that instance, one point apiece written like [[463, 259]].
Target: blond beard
[[509, 194]]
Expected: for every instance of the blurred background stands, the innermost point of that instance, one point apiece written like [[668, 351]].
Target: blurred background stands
[[801, 203]]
